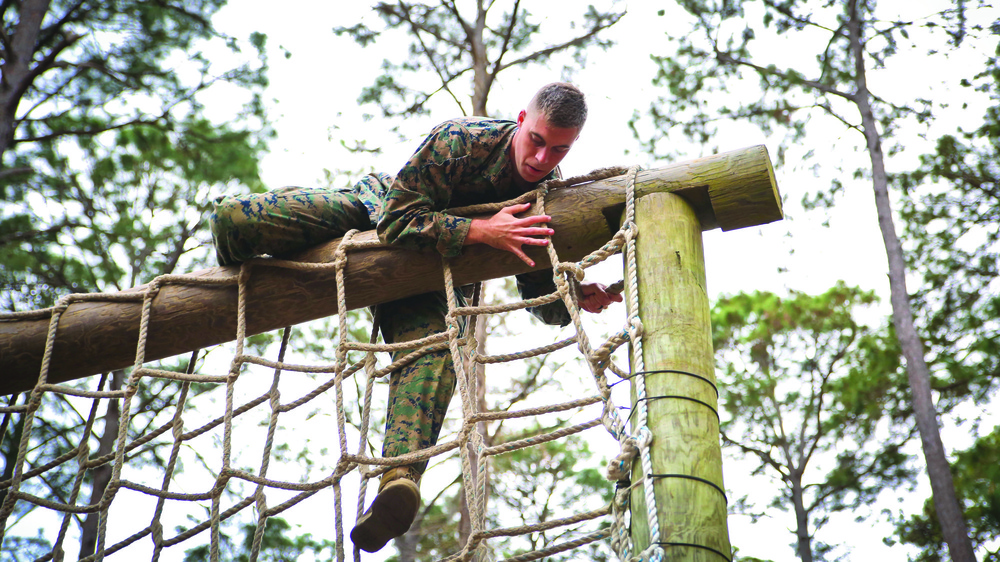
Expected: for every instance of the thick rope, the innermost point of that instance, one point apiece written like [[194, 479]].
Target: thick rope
[[474, 453]]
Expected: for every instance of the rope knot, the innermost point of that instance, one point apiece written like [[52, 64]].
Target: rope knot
[[644, 437], [635, 329], [620, 467], [571, 267]]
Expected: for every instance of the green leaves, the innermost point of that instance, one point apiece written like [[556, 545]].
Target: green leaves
[[118, 162], [809, 391]]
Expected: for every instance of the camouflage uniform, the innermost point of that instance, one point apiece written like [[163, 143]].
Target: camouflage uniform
[[462, 162]]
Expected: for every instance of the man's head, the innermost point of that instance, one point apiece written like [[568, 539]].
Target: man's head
[[547, 130]]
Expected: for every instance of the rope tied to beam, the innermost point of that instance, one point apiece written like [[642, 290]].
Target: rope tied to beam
[[473, 450]]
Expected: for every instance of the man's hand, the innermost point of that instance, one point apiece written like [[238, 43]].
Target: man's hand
[[506, 232], [596, 297]]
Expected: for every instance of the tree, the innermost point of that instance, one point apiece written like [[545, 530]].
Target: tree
[[454, 46], [460, 46], [850, 39], [107, 159], [276, 545], [950, 206], [107, 165], [808, 391], [976, 475], [951, 212]]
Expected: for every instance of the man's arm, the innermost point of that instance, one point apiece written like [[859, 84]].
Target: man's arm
[[413, 207]]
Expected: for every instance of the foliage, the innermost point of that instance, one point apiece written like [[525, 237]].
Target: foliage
[[453, 47], [950, 205], [276, 545], [790, 93], [977, 473], [951, 208], [110, 161], [809, 390]]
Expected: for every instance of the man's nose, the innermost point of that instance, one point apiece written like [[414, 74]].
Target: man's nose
[[543, 154]]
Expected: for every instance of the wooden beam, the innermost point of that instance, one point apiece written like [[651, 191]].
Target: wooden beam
[[681, 397], [729, 190]]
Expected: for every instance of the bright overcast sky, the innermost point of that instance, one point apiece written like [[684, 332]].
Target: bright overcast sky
[[317, 87]]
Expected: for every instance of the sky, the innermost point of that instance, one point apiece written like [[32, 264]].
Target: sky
[[313, 104]]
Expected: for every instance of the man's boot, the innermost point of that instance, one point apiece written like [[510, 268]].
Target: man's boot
[[391, 513]]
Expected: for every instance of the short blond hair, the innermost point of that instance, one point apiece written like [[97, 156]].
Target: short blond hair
[[563, 105]]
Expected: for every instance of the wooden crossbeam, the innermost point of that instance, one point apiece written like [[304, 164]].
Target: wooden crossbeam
[[729, 191]]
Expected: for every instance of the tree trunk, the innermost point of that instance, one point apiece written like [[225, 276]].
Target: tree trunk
[[102, 474], [480, 87], [804, 547], [15, 73], [949, 511]]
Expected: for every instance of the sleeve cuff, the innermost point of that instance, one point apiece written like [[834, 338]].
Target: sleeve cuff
[[452, 238]]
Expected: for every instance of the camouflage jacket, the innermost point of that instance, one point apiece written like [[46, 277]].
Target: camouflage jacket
[[461, 162]]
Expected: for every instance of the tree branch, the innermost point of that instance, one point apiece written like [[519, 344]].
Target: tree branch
[[726, 58], [415, 28], [24, 235], [787, 12], [504, 45], [563, 46], [764, 456], [91, 132]]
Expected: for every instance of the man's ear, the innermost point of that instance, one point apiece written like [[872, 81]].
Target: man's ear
[[520, 117]]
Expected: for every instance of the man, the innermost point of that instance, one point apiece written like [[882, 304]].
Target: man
[[462, 162]]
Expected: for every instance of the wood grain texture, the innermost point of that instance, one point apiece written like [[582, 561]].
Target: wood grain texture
[[97, 337], [682, 401]]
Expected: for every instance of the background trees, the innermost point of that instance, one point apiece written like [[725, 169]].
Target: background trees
[[845, 40], [947, 228], [109, 160], [108, 163], [810, 395]]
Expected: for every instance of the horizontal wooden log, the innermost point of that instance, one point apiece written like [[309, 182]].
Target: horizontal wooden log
[[730, 190]]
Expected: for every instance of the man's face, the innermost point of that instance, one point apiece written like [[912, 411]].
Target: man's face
[[539, 147]]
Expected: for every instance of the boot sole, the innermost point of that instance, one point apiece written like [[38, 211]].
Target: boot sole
[[389, 516]]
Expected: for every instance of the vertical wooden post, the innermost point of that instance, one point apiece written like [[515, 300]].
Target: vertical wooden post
[[681, 394]]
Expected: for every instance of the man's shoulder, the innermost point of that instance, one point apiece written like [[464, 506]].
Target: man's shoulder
[[475, 128]]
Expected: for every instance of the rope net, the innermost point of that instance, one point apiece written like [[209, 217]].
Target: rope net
[[161, 488]]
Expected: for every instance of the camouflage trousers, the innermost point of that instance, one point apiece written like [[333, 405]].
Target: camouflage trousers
[[290, 219]]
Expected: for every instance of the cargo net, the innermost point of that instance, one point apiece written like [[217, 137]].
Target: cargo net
[[152, 489]]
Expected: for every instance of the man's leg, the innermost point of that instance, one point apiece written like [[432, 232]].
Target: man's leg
[[283, 221], [419, 394]]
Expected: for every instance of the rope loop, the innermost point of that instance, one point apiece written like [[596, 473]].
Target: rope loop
[[635, 329], [470, 446], [571, 267]]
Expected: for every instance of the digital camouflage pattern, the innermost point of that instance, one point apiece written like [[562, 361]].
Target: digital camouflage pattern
[[462, 162]]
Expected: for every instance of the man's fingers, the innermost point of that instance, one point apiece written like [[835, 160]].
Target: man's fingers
[[536, 231], [515, 209], [534, 241], [524, 257], [535, 219]]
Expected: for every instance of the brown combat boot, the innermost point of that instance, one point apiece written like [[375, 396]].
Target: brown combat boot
[[391, 513]]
